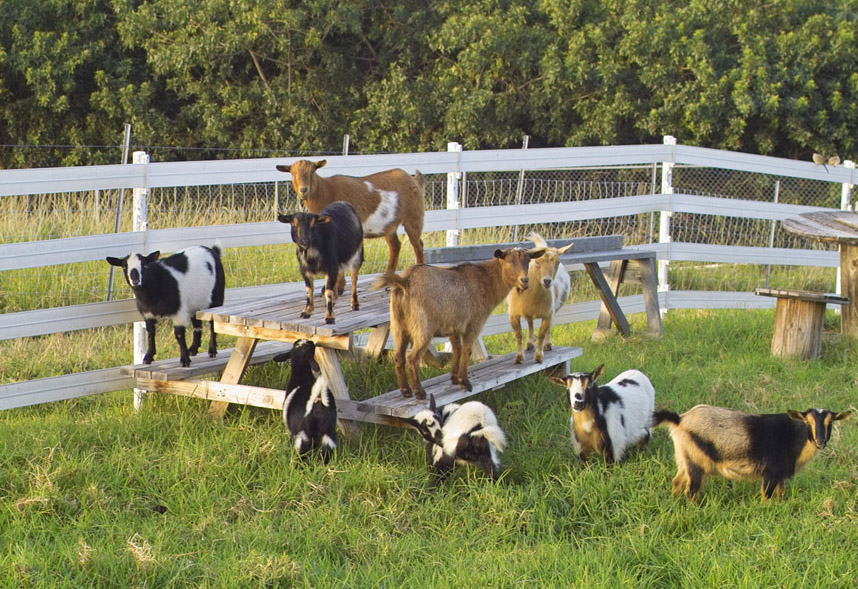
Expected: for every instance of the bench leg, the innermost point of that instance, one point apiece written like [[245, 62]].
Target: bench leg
[[798, 328], [333, 372], [238, 362], [610, 310], [650, 294]]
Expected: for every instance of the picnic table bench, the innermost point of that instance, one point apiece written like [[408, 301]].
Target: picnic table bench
[[627, 266]]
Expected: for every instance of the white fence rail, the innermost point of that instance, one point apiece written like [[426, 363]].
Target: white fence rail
[[36, 254]]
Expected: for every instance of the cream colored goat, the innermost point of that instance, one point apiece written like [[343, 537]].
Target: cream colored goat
[[549, 289]]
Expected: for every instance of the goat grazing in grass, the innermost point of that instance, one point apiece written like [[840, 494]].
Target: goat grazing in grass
[[383, 201], [467, 434], [328, 243], [310, 410], [548, 291], [175, 288], [428, 301], [609, 418], [711, 440]]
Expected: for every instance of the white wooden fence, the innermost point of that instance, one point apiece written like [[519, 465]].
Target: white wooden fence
[[146, 176]]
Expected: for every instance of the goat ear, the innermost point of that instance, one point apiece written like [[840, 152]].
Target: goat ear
[[558, 380], [798, 416], [322, 219], [284, 357], [116, 261], [315, 365], [320, 164], [151, 257], [565, 248], [499, 253], [284, 218], [432, 406], [536, 252], [842, 415], [284, 168], [597, 373]]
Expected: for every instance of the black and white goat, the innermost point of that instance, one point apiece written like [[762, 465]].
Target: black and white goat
[[467, 434], [175, 288], [329, 244], [310, 410], [609, 418], [743, 446]]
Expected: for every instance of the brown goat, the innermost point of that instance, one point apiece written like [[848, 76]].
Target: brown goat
[[428, 301], [549, 289], [383, 201]]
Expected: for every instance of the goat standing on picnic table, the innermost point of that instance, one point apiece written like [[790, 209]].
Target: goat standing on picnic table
[[175, 288], [428, 301], [329, 244], [383, 201], [609, 418], [464, 434], [743, 446], [548, 291]]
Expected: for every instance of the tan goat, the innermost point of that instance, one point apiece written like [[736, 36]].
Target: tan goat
[[549, 289], [429, 301], [383, 201]]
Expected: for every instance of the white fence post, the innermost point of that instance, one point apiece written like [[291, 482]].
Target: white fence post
[[453, 195], [664, 223], [140, 223]]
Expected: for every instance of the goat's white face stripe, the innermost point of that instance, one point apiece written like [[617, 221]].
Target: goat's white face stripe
[[384, 214], [135, 263]]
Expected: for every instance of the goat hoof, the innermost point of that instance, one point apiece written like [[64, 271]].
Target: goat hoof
[[329, 320], [467, 385], [405, 392], [212, 353], [147, 359], [538, 359], [547, 346], [186, 362], [192, 352], [519, 358], [421, 395], [529, 347], [355, 307], [305, 315]]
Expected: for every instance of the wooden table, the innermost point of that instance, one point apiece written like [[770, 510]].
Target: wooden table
[[260, 322], [840, 227]]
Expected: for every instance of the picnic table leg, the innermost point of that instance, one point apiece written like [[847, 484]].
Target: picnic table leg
[[650, 294], [610, 309], [333, 372], [849, 288], [377, 340], [239, 360]]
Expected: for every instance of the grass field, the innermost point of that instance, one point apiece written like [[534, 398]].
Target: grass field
[[93, 494]]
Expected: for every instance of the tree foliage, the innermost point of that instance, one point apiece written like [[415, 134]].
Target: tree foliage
[[266, 77]]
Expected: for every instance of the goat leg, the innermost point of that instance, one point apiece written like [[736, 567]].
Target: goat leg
[[150, 341], [515, 322], [212, 340], [308, 309], [184, 357], [355, 305], [197, 338]]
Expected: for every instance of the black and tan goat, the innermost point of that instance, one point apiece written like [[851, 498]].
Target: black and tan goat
[[711, 440], [609, 418], [428, 301]]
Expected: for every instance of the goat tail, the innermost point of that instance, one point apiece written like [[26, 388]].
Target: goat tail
[[494, 435], [537, 240], [391, 279], [660, 417], [217, 249], [420, 179]]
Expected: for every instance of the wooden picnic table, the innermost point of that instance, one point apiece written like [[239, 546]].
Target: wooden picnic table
[[259, 322], [840, 227]]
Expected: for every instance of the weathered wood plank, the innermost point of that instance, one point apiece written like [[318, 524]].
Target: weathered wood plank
[[468, 253], [491, 374], [804, 295]]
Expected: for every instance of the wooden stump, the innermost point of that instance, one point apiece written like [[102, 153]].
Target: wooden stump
[[799, 317]]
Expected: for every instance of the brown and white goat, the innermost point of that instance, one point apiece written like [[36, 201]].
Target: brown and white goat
[[743, 446], [383, 201], [428, 301], [549, 289]]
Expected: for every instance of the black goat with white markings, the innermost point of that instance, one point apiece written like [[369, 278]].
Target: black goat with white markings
[[310, 410], [743, 446], [175, 288], [467, 433], [329, 244]]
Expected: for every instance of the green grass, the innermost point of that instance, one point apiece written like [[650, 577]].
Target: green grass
[[94, 494]]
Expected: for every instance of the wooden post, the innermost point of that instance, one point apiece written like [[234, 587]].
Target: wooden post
[[239, 360], [798, 328], [849, 286]]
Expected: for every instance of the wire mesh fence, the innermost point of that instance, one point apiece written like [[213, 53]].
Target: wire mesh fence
[[62, 215]]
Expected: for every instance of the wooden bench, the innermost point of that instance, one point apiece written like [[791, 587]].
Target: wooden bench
[[201, 364], [799, 317], [627, 266]]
